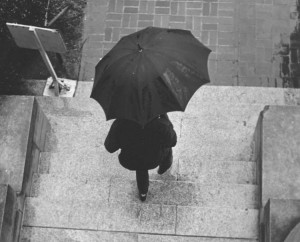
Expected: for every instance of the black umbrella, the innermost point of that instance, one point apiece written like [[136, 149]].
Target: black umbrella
[[150, 72]]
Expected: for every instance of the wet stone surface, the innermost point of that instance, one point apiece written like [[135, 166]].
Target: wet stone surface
[[282, 215], [281, 154]]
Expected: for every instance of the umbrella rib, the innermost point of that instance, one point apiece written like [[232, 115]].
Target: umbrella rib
[[158, 71], [115, 73], [118, 58], [168, 53], [162, 78], [197, 69]]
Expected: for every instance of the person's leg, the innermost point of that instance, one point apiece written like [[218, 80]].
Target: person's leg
[[142, 179], [166, 162]]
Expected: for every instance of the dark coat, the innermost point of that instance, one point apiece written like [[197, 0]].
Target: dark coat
[[141, 148]]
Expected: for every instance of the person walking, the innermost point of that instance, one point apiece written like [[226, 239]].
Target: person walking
[[152, 71], [143, 148]]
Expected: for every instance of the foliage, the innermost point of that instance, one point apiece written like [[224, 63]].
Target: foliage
[[15, 62], [30, 12]]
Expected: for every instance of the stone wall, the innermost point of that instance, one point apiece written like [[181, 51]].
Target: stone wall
[[8, 214], [280, 153], [254, 42], [23, 128], [280, 166], [281, 217]]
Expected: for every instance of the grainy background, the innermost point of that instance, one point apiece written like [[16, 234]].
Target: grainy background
[[19, 66], [252, 40]]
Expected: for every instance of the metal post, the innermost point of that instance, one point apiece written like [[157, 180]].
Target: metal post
[[47, 61], [58, 15]]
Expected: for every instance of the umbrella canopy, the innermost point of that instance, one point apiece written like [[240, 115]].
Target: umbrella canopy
[[150, 72]]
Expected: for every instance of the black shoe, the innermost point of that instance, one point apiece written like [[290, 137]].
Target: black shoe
[[143, 197]]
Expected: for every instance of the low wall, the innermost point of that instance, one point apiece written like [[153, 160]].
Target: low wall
[[277, 153], [281, 153], [257, 157], [23, 128], [8, 213], [281, 216], [15, 124]]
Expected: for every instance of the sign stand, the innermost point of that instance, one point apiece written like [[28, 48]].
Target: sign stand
[[43, 40], [46, 60]]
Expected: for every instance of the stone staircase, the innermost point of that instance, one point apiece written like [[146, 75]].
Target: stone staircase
[[81, 193]]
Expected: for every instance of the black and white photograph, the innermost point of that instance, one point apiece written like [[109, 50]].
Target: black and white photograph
[[149, 120]]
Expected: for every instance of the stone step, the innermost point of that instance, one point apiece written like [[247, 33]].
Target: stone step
[[187, 193], [164, 192], [187, 123], [233, 223], [37, 234], [215, 151], [226, 121], [142, 218], [220, 116], [208, 95], [211, 120], [80, 134], [233, 104], [248, 95], [223, 111], [94, 163], [81, 125], [71, 107], [71, 133], [212, 150], [90, 132], [185, 150], [60, 187], [231, 94], [62, 141], [214, 171]]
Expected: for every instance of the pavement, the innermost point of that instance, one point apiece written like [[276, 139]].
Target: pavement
[[80, 186], [81, 192], [210, 194], [107, 21], [244, 52], [249, 40]]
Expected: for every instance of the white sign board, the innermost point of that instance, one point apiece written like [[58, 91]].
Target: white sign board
[[50, 39]]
